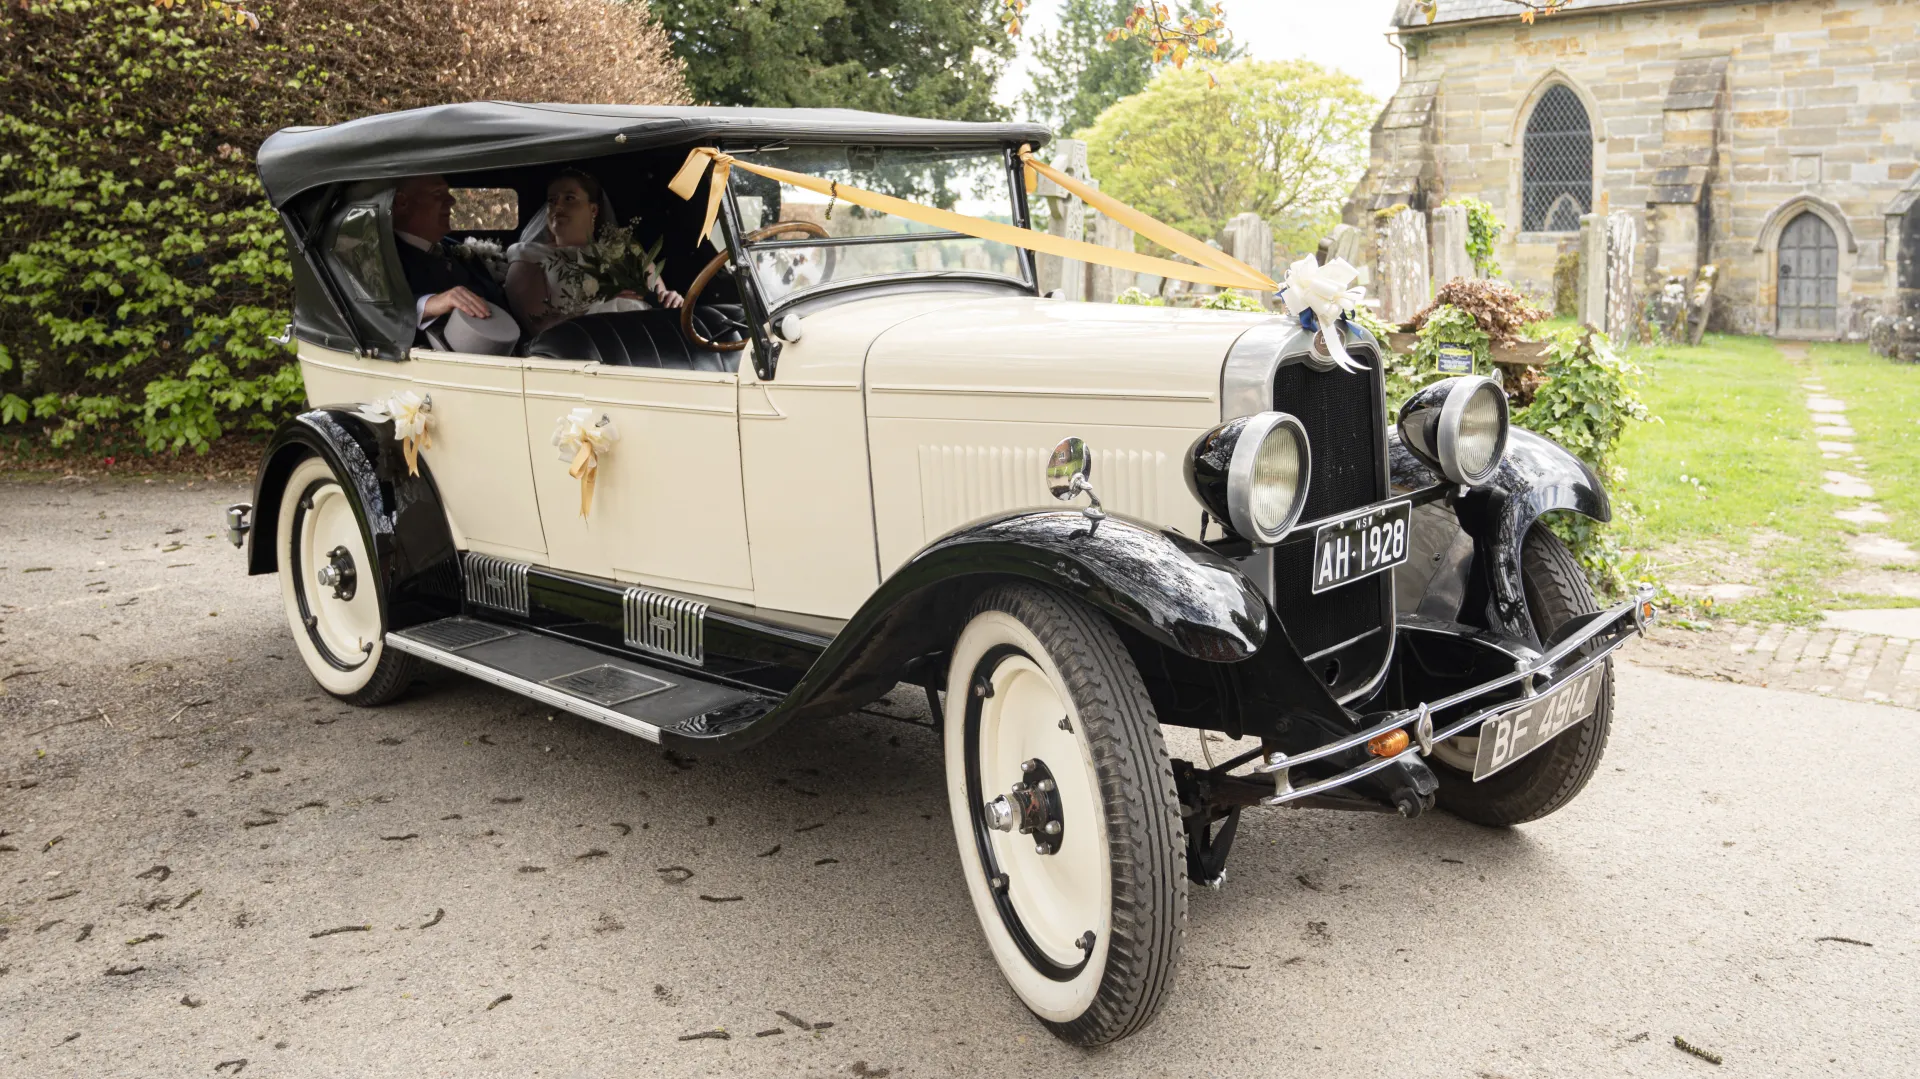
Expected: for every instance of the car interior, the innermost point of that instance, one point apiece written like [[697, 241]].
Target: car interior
[[495, 204]]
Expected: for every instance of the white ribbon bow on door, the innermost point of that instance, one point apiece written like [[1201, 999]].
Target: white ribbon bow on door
[[582, 441], [411, 415]]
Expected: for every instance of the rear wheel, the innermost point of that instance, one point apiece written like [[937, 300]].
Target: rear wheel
[[327, 583], [1064, 808], [1549, 777]]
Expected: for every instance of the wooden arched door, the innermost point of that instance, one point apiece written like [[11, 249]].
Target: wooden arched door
[[1809, 285]]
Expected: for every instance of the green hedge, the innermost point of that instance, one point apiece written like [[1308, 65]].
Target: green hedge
[[143, 269]]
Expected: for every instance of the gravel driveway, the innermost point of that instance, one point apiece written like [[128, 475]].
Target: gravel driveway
[[207, 867]]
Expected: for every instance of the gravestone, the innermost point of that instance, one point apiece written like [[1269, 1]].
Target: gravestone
[[1592, 305], [1250, 239], [1067, 217], [1622, 233], [1402, 272], [1450, 258], [1106, 282], [1345, 243]]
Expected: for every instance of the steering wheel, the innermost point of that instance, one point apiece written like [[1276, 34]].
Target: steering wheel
[[720, 260]]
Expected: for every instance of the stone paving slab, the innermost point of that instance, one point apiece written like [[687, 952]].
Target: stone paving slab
[[1832, 660]]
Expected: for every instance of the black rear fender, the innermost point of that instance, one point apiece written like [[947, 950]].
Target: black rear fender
[[402, 520]]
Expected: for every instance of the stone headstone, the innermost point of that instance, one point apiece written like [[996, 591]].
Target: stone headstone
[[1402, 280], [1622, 233], [1347, 242], [1250, 239], [1106, 282], [1592, 304], [1067, 217], [1450, 258]]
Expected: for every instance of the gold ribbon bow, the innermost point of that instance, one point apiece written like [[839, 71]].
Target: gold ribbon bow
[[1212, 266], [582, 442], [411, 415]]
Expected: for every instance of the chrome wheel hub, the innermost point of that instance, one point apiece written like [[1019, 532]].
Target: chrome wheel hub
[[1032, 807], [338, 574]]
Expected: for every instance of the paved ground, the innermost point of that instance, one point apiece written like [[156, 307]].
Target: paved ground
[[183, 818]]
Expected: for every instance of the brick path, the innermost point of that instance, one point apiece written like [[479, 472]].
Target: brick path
[[1814, 659]]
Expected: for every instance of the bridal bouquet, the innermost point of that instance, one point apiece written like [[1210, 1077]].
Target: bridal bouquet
[[604, 269]]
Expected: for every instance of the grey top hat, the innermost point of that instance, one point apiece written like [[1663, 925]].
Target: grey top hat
[[492, 336]]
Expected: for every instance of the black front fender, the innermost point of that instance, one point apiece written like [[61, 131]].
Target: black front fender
[[1536, 477], [402, 520], [1174, 591]]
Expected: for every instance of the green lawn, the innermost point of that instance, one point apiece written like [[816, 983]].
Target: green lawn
[[1726, 483], [1883, 404]]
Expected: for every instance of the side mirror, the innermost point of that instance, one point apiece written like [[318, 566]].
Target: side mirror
[[1070, 469]]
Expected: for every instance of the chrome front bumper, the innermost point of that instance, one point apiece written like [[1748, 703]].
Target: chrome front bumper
[[1537, 676]]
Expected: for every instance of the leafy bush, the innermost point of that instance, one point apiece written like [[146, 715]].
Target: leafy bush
[[1136, 296], [1231, 300], [1494, 306], [1589, 397], [1483, 231], [141, 269]]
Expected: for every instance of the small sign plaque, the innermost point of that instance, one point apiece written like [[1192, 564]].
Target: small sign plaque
[[1456, 360]]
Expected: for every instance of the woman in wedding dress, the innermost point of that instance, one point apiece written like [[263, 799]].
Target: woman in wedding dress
[[543, 270]]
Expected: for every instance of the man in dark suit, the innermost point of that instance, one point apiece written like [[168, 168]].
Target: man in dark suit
[[422, 217]]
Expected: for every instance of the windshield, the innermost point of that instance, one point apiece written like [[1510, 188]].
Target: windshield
[[852, 242]]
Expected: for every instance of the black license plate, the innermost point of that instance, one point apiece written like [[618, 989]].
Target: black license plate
[[1360, 546]]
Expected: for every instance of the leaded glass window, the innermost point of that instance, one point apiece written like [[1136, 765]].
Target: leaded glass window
[[1556, 180]]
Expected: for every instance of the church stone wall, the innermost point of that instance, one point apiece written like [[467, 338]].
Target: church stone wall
[[1820, 103]]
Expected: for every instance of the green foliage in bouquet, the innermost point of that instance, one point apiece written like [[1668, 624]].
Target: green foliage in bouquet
[[1137, 297], [609, 266]]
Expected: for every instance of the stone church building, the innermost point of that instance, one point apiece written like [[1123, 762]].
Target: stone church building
[[1778, 141]]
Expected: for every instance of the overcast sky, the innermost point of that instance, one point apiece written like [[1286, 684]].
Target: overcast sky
[[1345, 34]]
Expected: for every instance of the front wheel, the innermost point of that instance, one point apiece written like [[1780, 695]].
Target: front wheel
[[1550, 777], [1064, 808], [332, 599]]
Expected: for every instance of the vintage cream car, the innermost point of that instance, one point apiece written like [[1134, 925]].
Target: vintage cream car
[[840, 468]]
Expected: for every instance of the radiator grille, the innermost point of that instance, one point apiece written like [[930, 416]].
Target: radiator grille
[[666, 625], [1346, 426], [1318, 622], [496, 583]]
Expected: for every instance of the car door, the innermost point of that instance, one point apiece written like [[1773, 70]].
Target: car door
[[667, 507]]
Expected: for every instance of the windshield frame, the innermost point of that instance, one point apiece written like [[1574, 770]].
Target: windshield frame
[[1027, 283]]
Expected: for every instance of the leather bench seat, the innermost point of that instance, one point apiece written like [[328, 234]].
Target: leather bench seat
[[642, 339]]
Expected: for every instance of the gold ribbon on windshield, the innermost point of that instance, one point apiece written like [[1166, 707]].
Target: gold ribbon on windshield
[[1214, 267]]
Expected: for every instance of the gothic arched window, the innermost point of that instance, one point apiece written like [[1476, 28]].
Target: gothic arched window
[[1556, 179]]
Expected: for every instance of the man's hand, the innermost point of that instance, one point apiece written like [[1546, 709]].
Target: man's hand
[[457, 298], [667, 297]]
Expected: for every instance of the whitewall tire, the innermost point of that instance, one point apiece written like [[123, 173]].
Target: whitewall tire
[[327, 582], [1082, 892]]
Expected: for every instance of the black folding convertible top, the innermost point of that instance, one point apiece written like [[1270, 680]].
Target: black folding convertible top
[[498, 134]]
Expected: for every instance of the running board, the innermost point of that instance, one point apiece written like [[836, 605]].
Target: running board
[[622, 693]]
